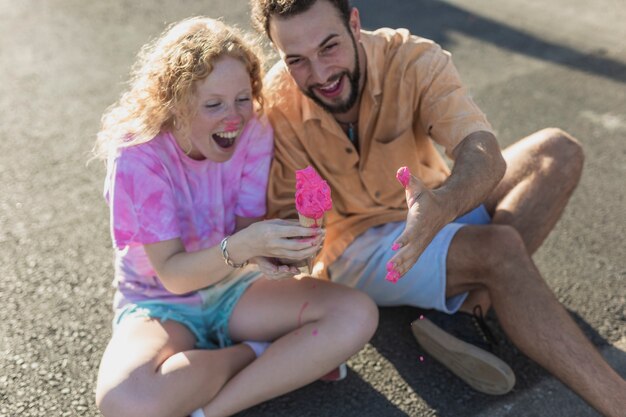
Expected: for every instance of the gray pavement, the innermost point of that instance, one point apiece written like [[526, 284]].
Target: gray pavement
[[528, 64]]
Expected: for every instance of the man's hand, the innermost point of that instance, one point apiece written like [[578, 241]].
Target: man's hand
[[425, 219], [272, 269], [478, 168]]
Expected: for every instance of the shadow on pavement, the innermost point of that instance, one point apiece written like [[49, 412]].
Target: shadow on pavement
[[433, 383], [441, 389], [432, 19], [352, 397]]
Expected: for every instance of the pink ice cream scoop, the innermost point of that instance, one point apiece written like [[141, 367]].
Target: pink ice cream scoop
[[312, 194], [404, 176]]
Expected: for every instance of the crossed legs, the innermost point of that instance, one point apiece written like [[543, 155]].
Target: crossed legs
[[152, 369], [543, 170], [494, 263]]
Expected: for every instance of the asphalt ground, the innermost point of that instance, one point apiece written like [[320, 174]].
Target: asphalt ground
[[529, 65]]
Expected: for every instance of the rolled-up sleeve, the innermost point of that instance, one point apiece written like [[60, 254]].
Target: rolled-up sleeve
[[446, 110]]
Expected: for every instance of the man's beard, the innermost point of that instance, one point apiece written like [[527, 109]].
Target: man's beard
[[353, 77]]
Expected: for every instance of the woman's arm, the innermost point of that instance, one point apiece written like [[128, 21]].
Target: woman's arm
[[243, 222], [272, 268], [182, 272]]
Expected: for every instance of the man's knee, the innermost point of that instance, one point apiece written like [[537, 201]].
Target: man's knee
[[486, 257], [500, 248], [565, 150]]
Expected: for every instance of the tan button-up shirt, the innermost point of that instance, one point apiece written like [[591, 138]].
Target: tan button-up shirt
[[412, 97]]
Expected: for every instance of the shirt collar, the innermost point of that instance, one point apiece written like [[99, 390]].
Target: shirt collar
[[375, 63]]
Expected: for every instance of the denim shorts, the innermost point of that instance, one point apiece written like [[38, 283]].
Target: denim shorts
[[363, 266], [207, 321]]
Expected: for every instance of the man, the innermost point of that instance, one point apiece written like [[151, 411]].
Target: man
[[357, 106]]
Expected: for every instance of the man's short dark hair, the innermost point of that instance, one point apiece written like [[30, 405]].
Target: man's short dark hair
[[263, 10]]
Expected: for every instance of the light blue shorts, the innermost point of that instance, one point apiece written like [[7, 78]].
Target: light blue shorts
[[207, 321], [363, 266]]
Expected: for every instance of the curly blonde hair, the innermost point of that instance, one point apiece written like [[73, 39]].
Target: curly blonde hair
[[164, 79]]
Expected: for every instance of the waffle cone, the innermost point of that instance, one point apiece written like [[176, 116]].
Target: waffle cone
[[308, 221]]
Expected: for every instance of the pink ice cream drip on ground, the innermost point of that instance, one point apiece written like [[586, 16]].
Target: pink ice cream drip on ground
[[312, 194], [392, 274], [404, 176]]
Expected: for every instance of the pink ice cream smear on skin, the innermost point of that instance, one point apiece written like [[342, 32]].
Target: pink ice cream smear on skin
[[392, 274], [312, 194], [404, 176]]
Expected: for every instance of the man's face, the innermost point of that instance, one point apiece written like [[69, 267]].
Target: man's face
[[321, 55]]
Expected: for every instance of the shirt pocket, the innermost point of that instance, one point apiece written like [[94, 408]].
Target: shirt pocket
[[338, 156], [391, 153], [385, 157]]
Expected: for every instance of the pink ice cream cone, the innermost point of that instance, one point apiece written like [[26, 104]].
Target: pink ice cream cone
[[312, 200]]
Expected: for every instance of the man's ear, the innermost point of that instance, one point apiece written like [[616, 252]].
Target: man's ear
[[355, 23]]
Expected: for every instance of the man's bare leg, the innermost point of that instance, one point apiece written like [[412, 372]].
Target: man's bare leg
[[494, 259], [543, 170]]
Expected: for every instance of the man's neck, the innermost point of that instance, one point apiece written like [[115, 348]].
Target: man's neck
[[349, 117]]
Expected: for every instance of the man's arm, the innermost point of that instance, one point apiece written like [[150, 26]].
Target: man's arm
[[479, 167]]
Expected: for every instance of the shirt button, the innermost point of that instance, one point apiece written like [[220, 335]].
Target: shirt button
[[349, 150], [377, 194]]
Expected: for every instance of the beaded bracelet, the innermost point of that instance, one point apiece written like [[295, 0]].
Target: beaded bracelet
[[226, 256]]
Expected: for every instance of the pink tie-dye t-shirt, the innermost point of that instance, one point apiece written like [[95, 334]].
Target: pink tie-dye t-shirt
[[156, 192]]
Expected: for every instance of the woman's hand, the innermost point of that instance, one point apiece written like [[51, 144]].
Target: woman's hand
[[276, 238], [182, 272]]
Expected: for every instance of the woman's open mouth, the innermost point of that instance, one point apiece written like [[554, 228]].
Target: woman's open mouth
[[225, 140]]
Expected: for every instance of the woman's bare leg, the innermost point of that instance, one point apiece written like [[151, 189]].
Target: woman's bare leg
[[151, 369], [314, 325]]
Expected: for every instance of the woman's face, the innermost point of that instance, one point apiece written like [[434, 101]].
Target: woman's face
[[223, 107]]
